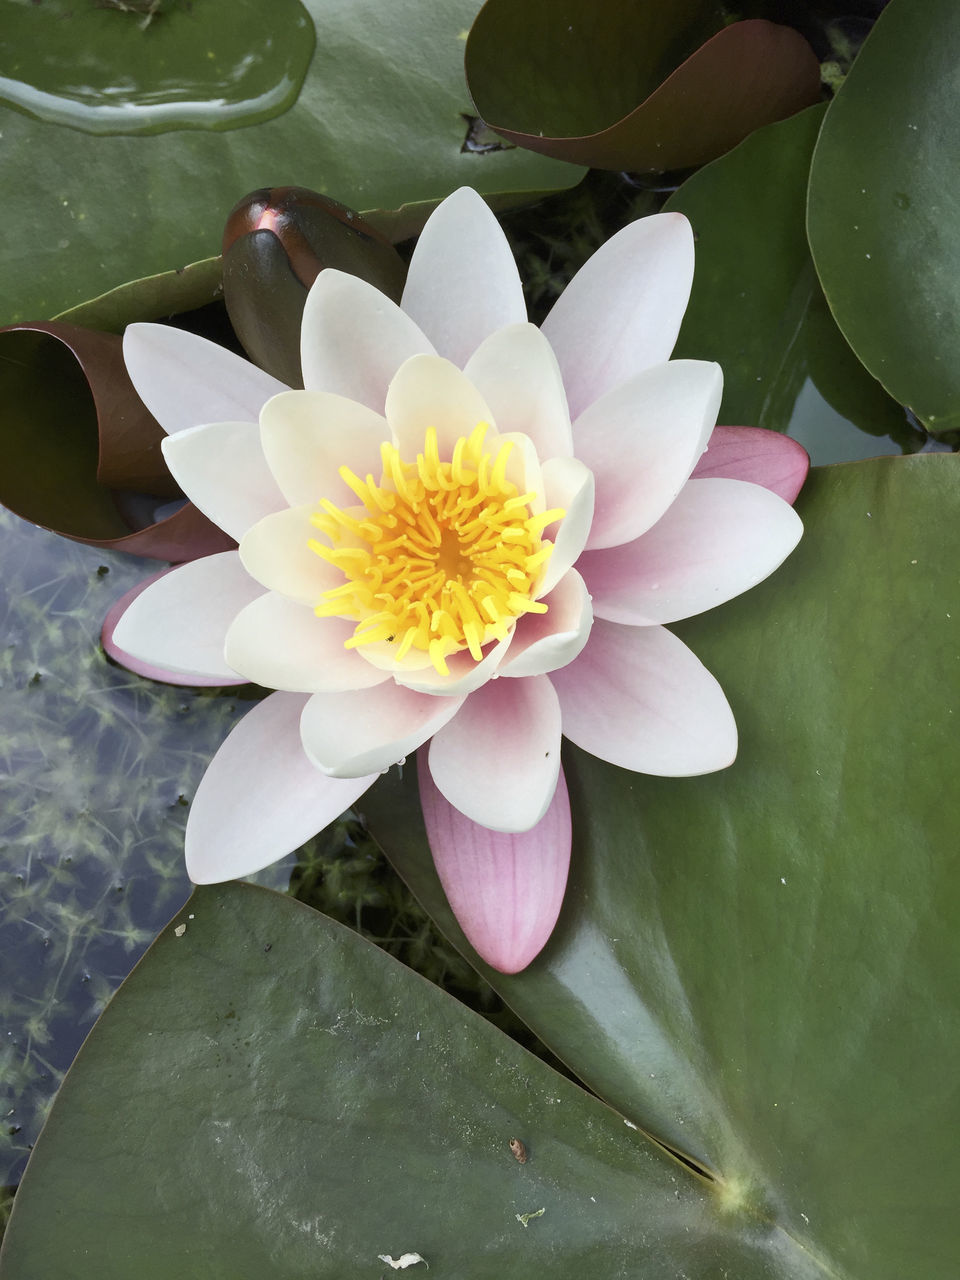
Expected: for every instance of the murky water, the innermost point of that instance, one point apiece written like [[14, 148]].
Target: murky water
[[97, 768]]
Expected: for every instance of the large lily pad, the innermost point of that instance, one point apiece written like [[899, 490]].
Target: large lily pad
[[142, 66], [757, 306], [152, 298], [884, 190], [640, 86], [270, 1095], [83, 213], [760, 966]]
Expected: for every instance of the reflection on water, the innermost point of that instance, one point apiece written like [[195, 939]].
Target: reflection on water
[[830, 437]]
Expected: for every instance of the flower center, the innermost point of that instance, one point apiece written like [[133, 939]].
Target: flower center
[[441, 556]]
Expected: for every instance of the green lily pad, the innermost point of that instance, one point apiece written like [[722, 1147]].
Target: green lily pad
[[152, 298], [642, 86], [760, 966], [758, 309], [89, 213], [270, 1095], [142, 66], [884, 190]]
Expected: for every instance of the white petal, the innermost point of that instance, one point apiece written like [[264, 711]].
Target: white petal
[[621, 312], [276, 551], [309, 435], [642, 441], [568, 484], [639, 698], [261, 798], [463, 283], [465, 676], [430, 392], [504, 888], [517, 373], [353, 339], [498, 759], [280, 644], [221, 468], [181, 620], [137, 665], [719, 538], [545, 641], [185, 381], [346, 734], [383, 655]]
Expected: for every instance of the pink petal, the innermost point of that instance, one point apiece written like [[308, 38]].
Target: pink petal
[[505, 890], [517, 374], [353, 339], [221, 468], [621, 312], [639, 698], [346, 734], [308, 436], [545, 641], [463, 283], [261, 798], [497, 760], [431, 392], [642, 441], [137, 665], [719, 539], [281, 644], [180, 620], [762, 457], [185, 381]]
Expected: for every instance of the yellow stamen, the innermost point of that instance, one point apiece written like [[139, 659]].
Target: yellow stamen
[[440, 557]]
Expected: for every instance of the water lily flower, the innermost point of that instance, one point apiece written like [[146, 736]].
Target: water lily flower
[[466, 531]]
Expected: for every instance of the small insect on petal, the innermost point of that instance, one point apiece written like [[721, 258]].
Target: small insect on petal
[[519, 1150]]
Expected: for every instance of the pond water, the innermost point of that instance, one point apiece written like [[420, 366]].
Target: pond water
[[96, 770]]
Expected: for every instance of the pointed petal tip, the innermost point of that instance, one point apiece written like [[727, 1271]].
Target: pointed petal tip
[[261, 798], [621, 312], [763, 457], [141, 667], [720, 537], [460, 299], [505, 890], [638, 698], [185, 380]]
